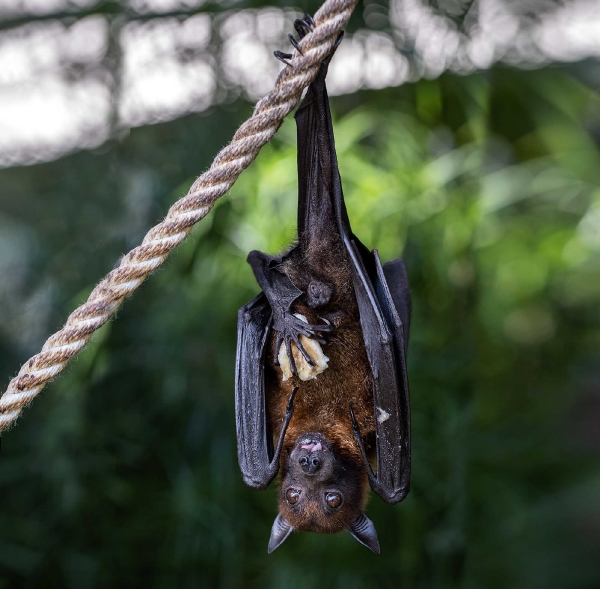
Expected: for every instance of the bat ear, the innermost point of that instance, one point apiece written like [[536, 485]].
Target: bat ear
[[279, 532], [363, 530]]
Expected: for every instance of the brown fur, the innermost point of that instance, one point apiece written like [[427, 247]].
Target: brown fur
[[322, 405]]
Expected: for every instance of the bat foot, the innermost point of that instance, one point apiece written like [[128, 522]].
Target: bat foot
[[290, 328], [303, 26]]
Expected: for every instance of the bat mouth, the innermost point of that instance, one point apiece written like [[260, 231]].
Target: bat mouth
[[312, 446], [312, 442]]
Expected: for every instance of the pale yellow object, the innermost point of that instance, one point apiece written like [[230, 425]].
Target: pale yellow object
[[303, 368]]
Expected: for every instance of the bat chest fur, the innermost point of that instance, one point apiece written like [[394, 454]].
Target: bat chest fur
[[322, 404]]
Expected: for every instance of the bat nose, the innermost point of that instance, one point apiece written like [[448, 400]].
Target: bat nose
[[310, 464]]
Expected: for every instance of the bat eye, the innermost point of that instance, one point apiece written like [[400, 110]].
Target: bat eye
[[334, 500], [292, 496]]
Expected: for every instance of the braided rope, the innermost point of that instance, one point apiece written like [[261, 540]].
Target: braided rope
[[133, 269]]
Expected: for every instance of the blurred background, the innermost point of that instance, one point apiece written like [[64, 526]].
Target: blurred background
[[468, 135]]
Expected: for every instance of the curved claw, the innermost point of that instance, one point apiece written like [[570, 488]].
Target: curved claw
[[289, 328], [309, 334], [324, 328], [277, 346], [295, 44], [283, 57], [302, 27], [300, 347], [305, 331], [305, 24], [290, 403], [338, 40], [288, 349]]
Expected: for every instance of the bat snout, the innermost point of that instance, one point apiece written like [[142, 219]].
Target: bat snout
[[310, 463], [311, 456]]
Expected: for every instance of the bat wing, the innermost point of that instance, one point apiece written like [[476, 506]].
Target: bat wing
[[255, 447], [384, 304]]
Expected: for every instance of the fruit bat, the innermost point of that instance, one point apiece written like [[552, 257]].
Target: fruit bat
[[321, 390]]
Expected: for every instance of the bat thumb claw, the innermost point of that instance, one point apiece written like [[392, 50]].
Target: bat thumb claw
[[290, 403], [353, 417]]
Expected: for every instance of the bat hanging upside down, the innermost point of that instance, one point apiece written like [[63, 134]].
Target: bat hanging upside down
[[321, 383]]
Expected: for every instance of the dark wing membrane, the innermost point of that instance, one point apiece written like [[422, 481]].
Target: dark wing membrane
[[254, 441], [386, 350], [393, 457], [397, 281]]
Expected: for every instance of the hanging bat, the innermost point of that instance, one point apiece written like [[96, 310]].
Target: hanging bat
[[321, 381]]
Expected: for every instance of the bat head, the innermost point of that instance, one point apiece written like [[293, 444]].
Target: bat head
[[318, 293], [322, 490]]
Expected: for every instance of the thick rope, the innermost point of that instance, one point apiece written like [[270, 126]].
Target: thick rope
[[133, 269]]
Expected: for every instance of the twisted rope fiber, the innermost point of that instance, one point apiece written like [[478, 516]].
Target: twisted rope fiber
[[134, 267]]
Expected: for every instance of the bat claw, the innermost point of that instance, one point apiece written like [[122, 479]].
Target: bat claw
[[307, 357], [288, 349], [338, 40], [290, 403], [277, 346], [283, 57], [295, 44], [354, 422], [322, 328], [304, 25]]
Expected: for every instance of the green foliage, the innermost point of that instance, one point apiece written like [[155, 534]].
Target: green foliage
[[124, 472]]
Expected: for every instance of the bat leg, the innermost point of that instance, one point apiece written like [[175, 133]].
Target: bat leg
[[269, 470], [289, 412]]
